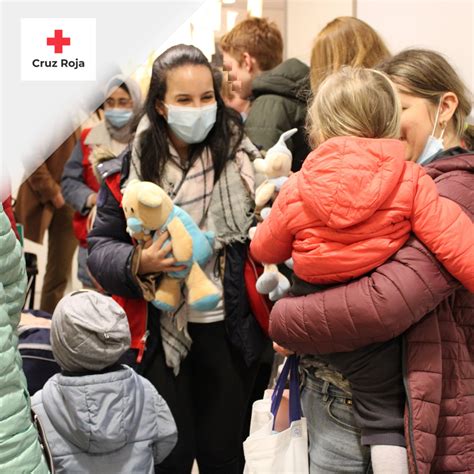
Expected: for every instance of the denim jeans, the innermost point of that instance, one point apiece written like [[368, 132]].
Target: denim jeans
[[334, 440]]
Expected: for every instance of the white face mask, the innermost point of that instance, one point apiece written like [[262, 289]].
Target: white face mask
[[433, 145], [191, 124]]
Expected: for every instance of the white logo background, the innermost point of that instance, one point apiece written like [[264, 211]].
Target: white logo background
[[38, 114], [34, 34]]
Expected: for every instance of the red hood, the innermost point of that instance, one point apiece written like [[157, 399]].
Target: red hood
[[346, 179]]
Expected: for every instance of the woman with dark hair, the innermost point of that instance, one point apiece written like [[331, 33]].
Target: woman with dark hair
[[202, 363]]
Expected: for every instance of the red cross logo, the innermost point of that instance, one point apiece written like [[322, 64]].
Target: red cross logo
[[58, 41]]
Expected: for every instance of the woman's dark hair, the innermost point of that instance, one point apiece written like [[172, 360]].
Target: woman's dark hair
[[224, 138]]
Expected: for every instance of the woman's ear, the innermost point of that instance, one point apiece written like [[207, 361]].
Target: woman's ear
[[160, 108], [448, 105]]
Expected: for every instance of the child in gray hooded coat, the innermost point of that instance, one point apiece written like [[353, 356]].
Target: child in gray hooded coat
[[98, 415]]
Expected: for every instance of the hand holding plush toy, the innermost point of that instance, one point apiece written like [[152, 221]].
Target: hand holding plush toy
[[150, 212]]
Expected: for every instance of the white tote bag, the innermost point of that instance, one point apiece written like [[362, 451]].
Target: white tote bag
[[268, 451]]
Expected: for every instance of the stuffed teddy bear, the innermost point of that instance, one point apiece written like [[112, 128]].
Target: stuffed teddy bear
[[150, 212], [276, 167]]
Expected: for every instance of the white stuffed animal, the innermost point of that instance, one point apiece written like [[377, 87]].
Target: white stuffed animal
[[271, 282], [276, 167]]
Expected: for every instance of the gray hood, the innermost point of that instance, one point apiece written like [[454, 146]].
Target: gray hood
[[76, 409], [132, 86], [124, 134]]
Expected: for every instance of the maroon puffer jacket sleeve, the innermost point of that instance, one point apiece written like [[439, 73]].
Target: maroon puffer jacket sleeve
[[374, 308]]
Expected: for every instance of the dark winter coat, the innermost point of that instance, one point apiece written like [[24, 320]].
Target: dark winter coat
[[112, 256]]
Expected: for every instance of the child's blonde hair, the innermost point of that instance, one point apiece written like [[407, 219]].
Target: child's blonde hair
[[354, 102]]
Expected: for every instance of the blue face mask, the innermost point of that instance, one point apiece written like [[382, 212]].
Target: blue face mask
[[433, 145], [191, 124], [118, 118]]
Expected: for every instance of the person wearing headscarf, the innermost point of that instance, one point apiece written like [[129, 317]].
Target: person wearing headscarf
[[105, 140]]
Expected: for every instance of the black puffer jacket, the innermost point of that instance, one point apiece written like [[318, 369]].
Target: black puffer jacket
[[110, 262]]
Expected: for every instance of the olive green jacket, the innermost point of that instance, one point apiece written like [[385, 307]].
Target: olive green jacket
[[279, 103]]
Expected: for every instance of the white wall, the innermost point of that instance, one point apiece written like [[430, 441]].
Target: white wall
[[274, 10], [442, 25], [446, 26], [304, 20]]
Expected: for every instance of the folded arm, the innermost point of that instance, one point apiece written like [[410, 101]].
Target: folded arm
[[374, 308], [43, 183], [112, 256]]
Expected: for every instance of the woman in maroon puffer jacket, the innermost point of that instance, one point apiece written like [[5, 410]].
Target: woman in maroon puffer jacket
[[410, 295]]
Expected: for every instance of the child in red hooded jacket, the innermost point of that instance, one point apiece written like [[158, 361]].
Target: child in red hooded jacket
[[353, 205]]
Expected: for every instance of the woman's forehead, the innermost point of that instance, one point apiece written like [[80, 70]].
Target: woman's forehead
[[189, 79], [119, 93]]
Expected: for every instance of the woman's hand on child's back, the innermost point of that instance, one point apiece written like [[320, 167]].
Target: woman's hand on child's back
[[281, 350], [153, 258]]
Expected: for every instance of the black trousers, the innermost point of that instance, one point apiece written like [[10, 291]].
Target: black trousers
[[208, 400]]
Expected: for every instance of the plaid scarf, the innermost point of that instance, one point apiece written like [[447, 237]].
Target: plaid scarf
[[230, 201], [225, 207]]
